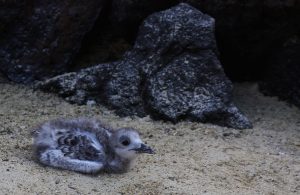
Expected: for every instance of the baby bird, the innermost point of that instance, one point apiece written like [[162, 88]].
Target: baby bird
[[86, 146]]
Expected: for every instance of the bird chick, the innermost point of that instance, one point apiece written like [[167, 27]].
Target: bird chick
[[87, 146]]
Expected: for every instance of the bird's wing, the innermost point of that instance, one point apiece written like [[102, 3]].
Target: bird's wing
[[81, 145]]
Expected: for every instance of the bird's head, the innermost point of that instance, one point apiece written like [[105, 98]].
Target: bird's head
[[128, 144]]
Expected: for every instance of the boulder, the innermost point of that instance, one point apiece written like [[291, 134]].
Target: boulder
[[80, 87], [172, 73], [39, 39], [248, 32]]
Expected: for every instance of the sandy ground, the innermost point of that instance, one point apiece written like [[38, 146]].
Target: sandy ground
[[192, 158]]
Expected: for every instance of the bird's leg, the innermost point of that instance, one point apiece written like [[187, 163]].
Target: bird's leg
[[56, 158]]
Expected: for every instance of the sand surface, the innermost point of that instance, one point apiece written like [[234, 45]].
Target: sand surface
[[192, 158]]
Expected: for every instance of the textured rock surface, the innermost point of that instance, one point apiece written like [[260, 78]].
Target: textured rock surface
[[248, 32], [283, 75], [40, 38], [172, 73], [80, 87]]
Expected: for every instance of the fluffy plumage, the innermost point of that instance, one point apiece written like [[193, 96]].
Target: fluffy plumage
[[87, 146]]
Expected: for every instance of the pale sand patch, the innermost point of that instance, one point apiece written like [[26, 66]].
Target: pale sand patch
[[192, 158]]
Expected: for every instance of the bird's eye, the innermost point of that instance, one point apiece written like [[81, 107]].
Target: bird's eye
[[124, 141]]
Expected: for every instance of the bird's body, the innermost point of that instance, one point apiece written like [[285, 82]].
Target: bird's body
[[85, 145]]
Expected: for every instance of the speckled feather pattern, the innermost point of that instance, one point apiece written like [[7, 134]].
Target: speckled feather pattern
[[83, 145]]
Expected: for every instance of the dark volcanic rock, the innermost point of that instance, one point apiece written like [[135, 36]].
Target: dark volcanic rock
[[283, 76], [80, 87], [248, 32], [40, 38], [172, 73]]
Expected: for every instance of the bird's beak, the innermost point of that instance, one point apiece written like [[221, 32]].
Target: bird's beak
[[144, 149]]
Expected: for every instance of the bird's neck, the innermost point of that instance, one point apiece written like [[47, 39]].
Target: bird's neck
[[118, 164]]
